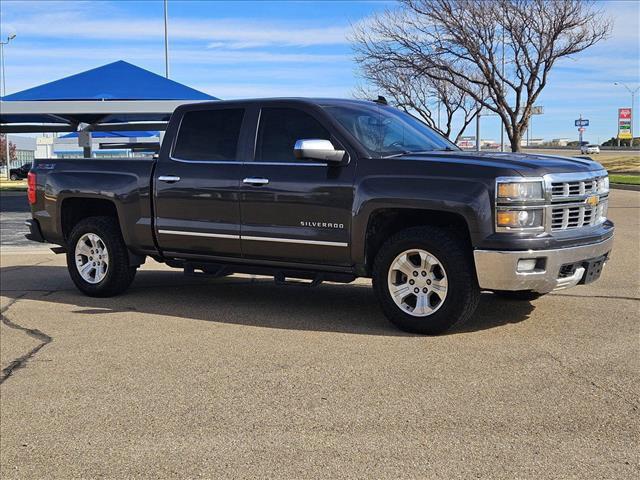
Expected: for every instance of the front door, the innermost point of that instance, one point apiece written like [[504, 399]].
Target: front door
[[197, 185], [295, 210]]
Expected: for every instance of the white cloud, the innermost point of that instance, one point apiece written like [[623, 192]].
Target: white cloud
[[229, 32], [230, 91], [216, 57]]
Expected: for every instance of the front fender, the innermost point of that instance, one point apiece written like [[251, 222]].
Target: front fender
[[468, 198]]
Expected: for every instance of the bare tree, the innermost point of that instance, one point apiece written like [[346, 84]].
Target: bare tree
[[419, 95], [498, 52], [3, 150]]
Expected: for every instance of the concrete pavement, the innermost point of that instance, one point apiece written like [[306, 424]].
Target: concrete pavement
[[238, 378]]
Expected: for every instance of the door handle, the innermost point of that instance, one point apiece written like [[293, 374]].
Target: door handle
[[256, 181], [169, 178]]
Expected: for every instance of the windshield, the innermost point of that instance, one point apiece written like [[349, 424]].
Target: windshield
[[386, 131]]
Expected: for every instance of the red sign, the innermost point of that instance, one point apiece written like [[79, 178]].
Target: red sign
[[624, 123], [581, 129]]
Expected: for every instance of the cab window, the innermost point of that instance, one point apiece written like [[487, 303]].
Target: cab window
[[209, 135], [279, 130]]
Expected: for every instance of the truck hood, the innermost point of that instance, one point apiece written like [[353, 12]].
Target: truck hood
[[525, 164]]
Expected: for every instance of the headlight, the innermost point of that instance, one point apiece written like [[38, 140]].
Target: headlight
[[519, 219], [603, 185], [520, 191]]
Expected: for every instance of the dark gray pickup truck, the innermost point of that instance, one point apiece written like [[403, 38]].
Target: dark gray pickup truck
[[322, 189]]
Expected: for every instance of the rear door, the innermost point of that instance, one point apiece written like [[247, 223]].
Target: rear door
[[295, 210], [197, 182]]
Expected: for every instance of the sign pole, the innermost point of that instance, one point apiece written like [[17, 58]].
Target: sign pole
[[478, 132], [633, 96]]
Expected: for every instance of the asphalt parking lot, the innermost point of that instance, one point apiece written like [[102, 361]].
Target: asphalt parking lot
[[238, 378]]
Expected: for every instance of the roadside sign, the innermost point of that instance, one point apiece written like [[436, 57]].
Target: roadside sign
[[581, 129], [624, 123], [582, 122]]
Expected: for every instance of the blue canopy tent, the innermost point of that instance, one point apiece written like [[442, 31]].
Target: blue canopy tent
[[116, 96]]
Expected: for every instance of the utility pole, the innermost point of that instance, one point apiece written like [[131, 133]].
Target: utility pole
[[3, 93], [166, 39]]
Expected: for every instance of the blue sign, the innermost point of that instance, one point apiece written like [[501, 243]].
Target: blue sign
[[582, 122]]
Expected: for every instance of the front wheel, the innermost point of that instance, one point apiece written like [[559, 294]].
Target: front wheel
[[13, 177], [97, 258], [425, 280]]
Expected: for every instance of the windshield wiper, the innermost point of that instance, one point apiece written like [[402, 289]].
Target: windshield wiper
[[399, 154], [414, 152]]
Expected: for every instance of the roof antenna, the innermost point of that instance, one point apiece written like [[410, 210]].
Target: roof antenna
[[381, 100]]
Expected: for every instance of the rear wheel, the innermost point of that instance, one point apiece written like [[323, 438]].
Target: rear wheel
[[97, 258], [425, 281]]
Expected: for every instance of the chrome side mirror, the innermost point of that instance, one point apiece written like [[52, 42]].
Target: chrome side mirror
[[317, 149]]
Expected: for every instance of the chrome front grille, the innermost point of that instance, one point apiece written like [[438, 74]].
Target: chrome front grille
[[564, 217], [569, 193], [575, 188]]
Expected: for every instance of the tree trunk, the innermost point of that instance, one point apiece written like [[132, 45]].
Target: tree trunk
[[516, 138]]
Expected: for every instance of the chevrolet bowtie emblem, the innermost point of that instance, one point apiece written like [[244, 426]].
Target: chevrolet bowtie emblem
[[593, 200]]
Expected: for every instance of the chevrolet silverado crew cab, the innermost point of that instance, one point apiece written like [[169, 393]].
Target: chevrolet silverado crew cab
[[322, 189]]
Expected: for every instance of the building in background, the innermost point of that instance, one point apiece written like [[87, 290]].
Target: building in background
[[44, 146], [560, 142], [532, 142]]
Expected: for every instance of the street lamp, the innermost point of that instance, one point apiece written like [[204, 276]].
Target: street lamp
[[633, 99], [166, 38], [4, 91]]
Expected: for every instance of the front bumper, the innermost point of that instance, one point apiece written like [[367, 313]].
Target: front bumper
[[498, 270]]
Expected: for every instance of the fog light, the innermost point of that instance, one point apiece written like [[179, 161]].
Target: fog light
[[527, 264]]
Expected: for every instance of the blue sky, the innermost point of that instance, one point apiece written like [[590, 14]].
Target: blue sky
[[255, 49]]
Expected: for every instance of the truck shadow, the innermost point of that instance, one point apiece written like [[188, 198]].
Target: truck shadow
[[350, 308]]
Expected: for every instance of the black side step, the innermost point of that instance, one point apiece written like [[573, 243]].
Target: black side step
[[281, 279], [212, 270], [281, 276]]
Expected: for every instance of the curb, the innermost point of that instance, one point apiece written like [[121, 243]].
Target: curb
[[622, 186]]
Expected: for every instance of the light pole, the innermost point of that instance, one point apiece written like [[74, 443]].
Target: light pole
[[166, 39], [4, 92], [633, 99], [501, 122]]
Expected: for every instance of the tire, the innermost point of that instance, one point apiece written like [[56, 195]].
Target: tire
[[521, 295], [455, 272], [106, 281], [13, 177]]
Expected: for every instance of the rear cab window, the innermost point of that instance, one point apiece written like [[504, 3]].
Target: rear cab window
[[209, 135]]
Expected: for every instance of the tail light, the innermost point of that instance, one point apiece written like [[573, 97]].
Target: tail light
[[31, 187]]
